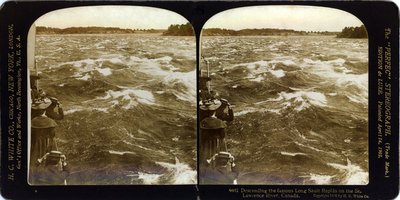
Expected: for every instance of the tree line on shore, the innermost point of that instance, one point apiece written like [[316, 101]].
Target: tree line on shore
[[82, 30], [353, 32], [93, 30], [261, 32], [187, 30], [179, 30]]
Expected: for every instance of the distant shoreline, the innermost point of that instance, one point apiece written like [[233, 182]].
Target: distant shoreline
[[186, 30], [291, 35], [40, 30], [262, 32], [161, 35], [104, 34]]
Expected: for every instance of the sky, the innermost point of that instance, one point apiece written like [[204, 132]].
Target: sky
[[300, 18], [131, 17]]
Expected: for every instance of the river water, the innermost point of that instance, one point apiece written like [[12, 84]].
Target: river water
[[130, 105], [301, 107]]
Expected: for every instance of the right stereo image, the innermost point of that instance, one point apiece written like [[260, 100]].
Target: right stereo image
[[283, 97]]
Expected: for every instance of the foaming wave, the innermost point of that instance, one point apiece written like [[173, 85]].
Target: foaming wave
[[303, 97], [73, 110], [286, 62], [246, 111], [305, 138], [320, 179], [183, 84], [307, 146], [284, 153], [187, 80], [278, 73], [259, 67], [353, 174], [132, 96], [338, 61], [316, 134], [130, 135], [325, 69], [104, 71], [105, 110], [315, 149], [115, 59], [120, 152], [86, 66], [156, 67], [256, 79], [80, 63], [152, 66], [149, 179], [179, 173], [83, 78], [355, 86]]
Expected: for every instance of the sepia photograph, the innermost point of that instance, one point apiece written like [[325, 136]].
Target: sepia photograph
[[283, 97], [199, 99], [112, 97]]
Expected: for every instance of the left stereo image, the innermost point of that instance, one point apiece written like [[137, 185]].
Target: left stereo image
[[112, 97]]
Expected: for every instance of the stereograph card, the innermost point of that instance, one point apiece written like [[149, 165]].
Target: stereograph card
[[199, 99]]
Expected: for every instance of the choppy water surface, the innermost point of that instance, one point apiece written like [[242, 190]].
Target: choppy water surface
[[301, 107], [130, 105]]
